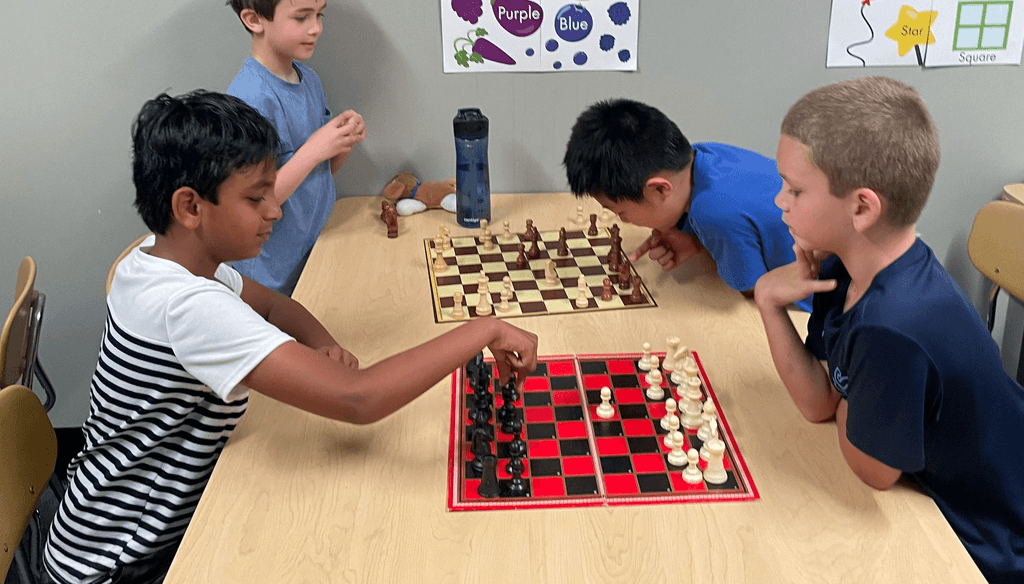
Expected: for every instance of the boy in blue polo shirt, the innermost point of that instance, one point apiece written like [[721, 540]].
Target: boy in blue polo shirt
[[636, 162], [911, 375], [313, 145]]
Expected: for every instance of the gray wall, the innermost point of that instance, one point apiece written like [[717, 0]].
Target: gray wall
[[76, 73]]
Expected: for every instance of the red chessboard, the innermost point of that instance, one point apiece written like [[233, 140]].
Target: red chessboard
[[576, 459]]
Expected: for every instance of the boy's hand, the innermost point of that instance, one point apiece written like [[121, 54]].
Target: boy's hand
[[668, 248], [787, 284], [514, 350], [338, 136]]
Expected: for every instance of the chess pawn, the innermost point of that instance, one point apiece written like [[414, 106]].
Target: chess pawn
[[670, 410], [457, 310], [581, 300], [705, 453], [673, 425], [677, 457], [655, 391], [644, 364], [592, 231], [692, 474], [504, 305], [605, 410], [485, 235], [655, 363], [606, 215], [607, 293], [440, 265], [715, 472], [710, 417], [678, 375], [507, 235]]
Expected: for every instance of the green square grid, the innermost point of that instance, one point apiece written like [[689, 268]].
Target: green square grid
[[978, 36]]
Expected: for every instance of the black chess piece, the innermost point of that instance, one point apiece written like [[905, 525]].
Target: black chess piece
[[507, 413], [481, 448], [489, 477]]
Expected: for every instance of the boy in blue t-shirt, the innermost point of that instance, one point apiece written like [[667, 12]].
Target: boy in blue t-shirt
[[187, 338], [313, 146], [911, 375], [636, 162]]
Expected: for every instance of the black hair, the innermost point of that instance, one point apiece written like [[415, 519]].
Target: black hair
[[264, 8], [616, 145], [194, 140]]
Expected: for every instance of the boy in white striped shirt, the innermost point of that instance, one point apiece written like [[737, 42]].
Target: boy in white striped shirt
[[187, 337]]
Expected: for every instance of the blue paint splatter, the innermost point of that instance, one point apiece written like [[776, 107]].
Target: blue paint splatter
[[579, 58], [624, 55], [551, 45], [557, 65], [529, 52], [607, 42]]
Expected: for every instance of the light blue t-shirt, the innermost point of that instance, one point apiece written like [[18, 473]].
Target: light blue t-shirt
[[733, 214], [296, 110]]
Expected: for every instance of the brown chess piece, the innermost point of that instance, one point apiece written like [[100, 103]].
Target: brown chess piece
[[521, 261], [593, 225], [563, 245], [534, 252], [624, 283], [606, 290], [637, 295]]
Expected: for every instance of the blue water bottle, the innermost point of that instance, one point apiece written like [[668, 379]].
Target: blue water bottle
[[472, 180]]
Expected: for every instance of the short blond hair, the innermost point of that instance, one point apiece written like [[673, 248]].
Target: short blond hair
[[874, 133]]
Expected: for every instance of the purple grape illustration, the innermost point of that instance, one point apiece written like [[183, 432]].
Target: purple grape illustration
[[519, 17], [557, 65], [579, 58], [468, 10], [607, 42], [619, 13], [624, 55], [481, 49], [529, 52], [551, 45]]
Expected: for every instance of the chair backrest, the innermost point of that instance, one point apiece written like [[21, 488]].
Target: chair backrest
[[28, 448], [124, 254], [995, 245], [16, 341]]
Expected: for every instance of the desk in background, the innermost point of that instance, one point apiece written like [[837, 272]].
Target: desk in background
[[298, 498]]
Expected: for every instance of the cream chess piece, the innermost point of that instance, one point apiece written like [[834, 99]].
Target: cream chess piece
[[605, 409], [692, 474]]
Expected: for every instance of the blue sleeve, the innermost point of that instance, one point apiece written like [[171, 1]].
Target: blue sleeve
[[735, 246], [888, 376]]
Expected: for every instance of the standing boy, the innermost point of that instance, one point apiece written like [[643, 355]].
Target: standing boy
[[911, 375], [634, 160], [187, 337], [313, 146]]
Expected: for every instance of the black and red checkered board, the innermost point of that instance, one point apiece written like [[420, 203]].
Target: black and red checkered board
[[576, 459]]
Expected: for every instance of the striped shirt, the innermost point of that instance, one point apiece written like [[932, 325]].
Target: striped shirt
[[164, 399]]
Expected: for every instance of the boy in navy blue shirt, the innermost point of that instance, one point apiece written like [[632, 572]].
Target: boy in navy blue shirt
[[634, 160], [911, 375], [312, 147]]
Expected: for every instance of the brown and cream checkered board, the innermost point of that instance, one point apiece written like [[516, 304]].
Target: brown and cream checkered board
[[588, 256]]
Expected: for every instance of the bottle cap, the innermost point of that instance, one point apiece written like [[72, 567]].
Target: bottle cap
[[470, 124]]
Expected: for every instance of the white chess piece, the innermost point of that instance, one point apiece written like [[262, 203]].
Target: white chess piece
[[712, 437], [580, 219], [440, 265], [581, 300], [710, 417], [507, 235], [670, 410], [715, 472], [550, 275], [692, 474], [655, 364], [677, 457], [506, 295], [605, 410], [673, 345], [606, 215], [655, 391], [483, 307], [458, 311], [644, 364], [691, 417], [673, 425]]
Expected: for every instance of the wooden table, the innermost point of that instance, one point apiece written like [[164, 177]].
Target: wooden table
[[297, 498]]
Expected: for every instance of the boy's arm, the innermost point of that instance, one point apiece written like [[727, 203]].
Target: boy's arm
[[312, 381], [333, 141], [873, 472], [669, 248], [805, 379], [287, 315]]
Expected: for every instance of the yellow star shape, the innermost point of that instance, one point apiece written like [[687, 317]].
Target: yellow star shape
[[912, 28]]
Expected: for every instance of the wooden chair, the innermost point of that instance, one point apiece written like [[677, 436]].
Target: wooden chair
[[124, 254], [995, 247], [29, 447], [19, 341]]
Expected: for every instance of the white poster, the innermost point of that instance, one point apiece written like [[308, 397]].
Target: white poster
[[526, 35], [925, 33]]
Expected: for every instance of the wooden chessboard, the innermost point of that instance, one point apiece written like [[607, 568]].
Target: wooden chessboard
[[575, 458], [588, 256]]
